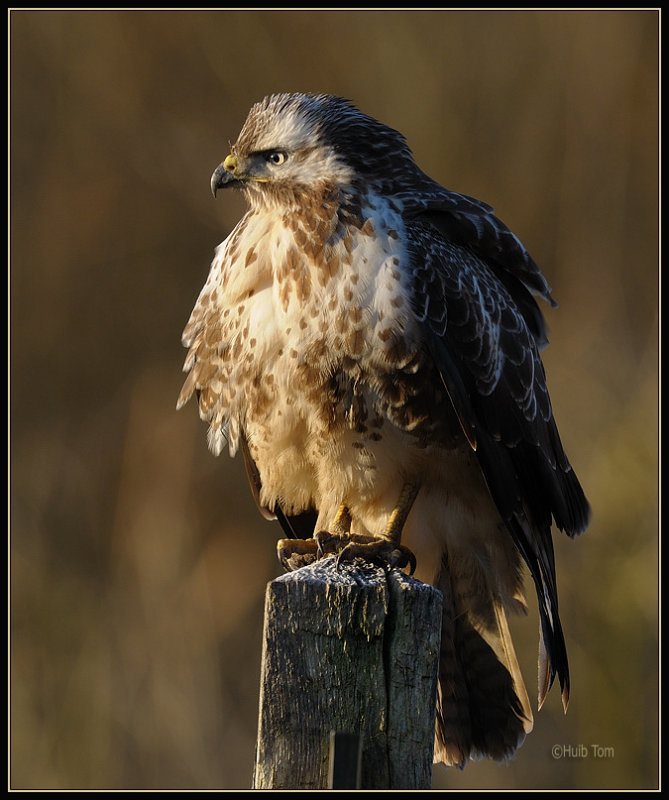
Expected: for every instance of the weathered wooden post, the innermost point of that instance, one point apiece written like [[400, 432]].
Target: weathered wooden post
[[348, 649]]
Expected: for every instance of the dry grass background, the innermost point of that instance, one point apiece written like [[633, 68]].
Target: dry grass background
[[138, 561]]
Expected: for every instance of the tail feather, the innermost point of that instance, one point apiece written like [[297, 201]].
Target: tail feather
[[453, 737], [483, 709]]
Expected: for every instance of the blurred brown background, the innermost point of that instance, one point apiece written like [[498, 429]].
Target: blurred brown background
[[138, 561]]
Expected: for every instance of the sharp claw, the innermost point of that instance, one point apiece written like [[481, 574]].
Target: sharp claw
[[295, 553], [402, 557], [343, 555], [285, 563], [322, 538]]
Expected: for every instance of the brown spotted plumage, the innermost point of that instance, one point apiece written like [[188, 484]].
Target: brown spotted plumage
[[370, 341]]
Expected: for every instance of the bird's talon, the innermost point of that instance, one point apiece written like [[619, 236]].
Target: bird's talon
[[296, 553], [402, 557]]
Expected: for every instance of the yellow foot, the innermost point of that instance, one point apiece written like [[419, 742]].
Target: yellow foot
[[296, 553], [376, 549], [342, 521], [339, 541]]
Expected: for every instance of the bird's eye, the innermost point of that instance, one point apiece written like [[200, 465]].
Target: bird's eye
[[276, 157]]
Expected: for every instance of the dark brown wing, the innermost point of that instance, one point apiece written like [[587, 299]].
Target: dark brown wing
[[483, 329], [471, 223]]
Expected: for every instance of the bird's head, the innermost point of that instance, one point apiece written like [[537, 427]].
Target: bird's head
[[292, 144]]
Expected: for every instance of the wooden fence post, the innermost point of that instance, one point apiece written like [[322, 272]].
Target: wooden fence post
[[348, 649]]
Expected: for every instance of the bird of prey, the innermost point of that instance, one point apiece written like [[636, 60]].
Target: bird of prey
[[370, 341]]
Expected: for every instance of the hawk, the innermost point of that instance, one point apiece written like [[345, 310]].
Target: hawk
[[371, 342]]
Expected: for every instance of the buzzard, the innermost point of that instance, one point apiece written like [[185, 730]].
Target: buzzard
[[370, 342]]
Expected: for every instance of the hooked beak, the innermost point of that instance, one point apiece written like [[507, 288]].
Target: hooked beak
[[224, 175]]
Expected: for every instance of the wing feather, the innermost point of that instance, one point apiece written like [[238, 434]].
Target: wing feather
[[487, 353]]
